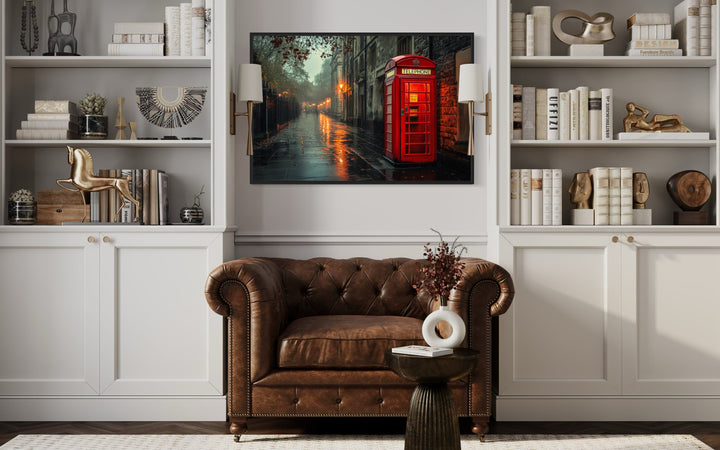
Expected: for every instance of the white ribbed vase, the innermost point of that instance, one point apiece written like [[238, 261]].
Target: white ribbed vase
[[443, 313]]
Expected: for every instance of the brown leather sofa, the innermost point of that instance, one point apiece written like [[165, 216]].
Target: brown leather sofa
[[307, 338]]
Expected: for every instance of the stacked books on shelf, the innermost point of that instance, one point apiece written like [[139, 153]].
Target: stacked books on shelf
[[530, 33], [650, 35], [137, 39], [536, 197], [551, 114], [693, 26], [52, 119], [612, 195], [148, 186]]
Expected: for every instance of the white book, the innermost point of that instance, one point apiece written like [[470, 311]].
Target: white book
[[553, 114], [713, 29], [557, 196], [594, 116], [422, 350], [49, 125], [541, 113], [536, 196], [542, 30], [564, 116], [525, 197], [185, 29], [655, 44], [705, 28], [162, 197], [136, 49], [529, 35], [667, 32], [198, 27], [653, 52], [138, 28], [56, 107], [626, 196], [574, 115], [652, 34], [528, 112], [95, 206], [583, 130], [606, 117], [517, 112], [515, 197], [138, 38], [686, 25], [614, 196], [172, 30], [517, 34], [63, 117], [45, 134], [600, 194], [547, 196], [648, 19]]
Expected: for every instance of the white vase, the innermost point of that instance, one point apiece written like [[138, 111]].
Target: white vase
[[440, 315]]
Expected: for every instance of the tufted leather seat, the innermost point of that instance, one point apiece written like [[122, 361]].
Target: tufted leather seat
[[307, 337]]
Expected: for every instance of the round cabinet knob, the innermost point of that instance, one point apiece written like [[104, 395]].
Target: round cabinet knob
[[91, 239], [630, 239], [106, 239], [615, 238]]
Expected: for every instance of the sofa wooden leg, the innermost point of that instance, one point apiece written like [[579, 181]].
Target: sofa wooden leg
[[238, 427], [481, 427]]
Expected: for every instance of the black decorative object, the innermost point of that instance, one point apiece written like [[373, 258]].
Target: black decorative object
[[59, 41], [160, 109], [29, 20]]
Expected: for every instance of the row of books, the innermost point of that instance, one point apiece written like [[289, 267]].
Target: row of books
[[51, 119], [612, 195], [549, 114], [536, 197], [185, 32], [693, 26], [148, 186], [530, 33]]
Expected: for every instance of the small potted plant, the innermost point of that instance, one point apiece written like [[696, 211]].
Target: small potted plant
[[22, 207], [93, 123], [193, 214]]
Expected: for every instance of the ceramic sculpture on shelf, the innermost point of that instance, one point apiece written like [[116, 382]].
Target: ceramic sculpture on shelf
[[580, 190], [170, 106], [61, 40], [641, 190], [595, 30]]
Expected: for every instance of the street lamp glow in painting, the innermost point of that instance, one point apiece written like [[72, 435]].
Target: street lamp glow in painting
[[326, 116]]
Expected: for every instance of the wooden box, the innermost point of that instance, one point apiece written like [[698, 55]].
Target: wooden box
[[56, 206]]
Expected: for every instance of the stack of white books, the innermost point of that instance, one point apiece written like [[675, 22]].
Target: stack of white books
[[187, 28], [693, 26], [531, 32], [52, 119], [650, 35], [137, 39], [536, 197]]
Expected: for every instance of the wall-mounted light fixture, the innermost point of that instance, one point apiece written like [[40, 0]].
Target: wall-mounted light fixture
[[249, 91], [470, 91]]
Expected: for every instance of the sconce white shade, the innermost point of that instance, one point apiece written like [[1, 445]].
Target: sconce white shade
[[250, 83], [470, 84]]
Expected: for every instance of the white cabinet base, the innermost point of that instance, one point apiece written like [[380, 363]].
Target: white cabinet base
[[607, 408]]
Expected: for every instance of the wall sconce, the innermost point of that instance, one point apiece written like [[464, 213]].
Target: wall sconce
[[470, 90], [250, 91]]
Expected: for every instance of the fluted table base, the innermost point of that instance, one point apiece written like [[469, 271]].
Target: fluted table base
[[432, 422]]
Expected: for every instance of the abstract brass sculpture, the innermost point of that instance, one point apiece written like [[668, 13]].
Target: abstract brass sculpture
[[82, 178], [641, 190], [596, 29], [580, 190], [636, 121]]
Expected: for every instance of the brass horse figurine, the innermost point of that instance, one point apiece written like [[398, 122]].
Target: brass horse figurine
[[82, 178]]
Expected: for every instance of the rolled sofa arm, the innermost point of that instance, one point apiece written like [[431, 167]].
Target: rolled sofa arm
[[479, 270]]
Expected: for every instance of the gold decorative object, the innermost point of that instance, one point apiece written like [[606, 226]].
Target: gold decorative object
[[636, 121], [120, 122], [595, 30], [580, 190], [641, 190], [82, 178]]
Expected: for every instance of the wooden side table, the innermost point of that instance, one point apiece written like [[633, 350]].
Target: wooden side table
[[432, 422]]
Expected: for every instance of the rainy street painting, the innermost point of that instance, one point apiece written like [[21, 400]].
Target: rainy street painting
[[360, 108]]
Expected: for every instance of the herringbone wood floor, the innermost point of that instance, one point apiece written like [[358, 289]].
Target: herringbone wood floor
[[708, 432]]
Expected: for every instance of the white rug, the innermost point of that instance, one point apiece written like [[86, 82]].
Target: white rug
[[308, 442]]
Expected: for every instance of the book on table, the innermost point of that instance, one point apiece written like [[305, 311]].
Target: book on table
[[422, 350]]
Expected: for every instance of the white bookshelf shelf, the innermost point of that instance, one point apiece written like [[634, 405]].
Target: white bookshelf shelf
[[613, 61], [16, 143], [108, 61], [609, 229], [640, 143]]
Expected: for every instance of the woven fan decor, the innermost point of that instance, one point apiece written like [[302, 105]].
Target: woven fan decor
[[170, 106]]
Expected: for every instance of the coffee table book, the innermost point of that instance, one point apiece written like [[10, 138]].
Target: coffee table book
[[422, 350]]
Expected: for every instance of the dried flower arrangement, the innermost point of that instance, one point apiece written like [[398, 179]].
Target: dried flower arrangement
[[444, 271]]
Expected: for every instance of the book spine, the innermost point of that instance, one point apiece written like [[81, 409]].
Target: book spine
[[705, 28], [529, 35], [136, 49], [655, 44], [564, 116], [154, 218], [536, 196], [667, 32], [557, 196], [517, 33], [648, 19], [185, 29], [146, 197], [95, 207], [138, 38], [198, 28], [653, 52], [528, 112], [515, 197], [594, 116], [137, 194], [112, 199], [208, 27], [45, 134], [517, 112], [607, 114], [104, 215], [547, 196], [48, 125], [687, 26], [614, 196], [541, 113], [56, 107], [600, 195], [49, 117], [574, 115], [126, 211], [553, 114], [626, 196], [162, 198], [138, 28], [525, 197], [583, 122], [713, 29], [172, 30], [542, 30]]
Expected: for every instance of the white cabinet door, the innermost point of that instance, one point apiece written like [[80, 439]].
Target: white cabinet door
[[561, 335], [158, 335], [49, 314], [671, 308]]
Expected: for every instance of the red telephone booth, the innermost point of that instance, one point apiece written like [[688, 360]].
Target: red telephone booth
[[410, 109]]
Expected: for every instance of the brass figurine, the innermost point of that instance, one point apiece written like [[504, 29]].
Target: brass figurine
[[82, 178], [580, 190], [641, 190], [596, 29], [636, 121]]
